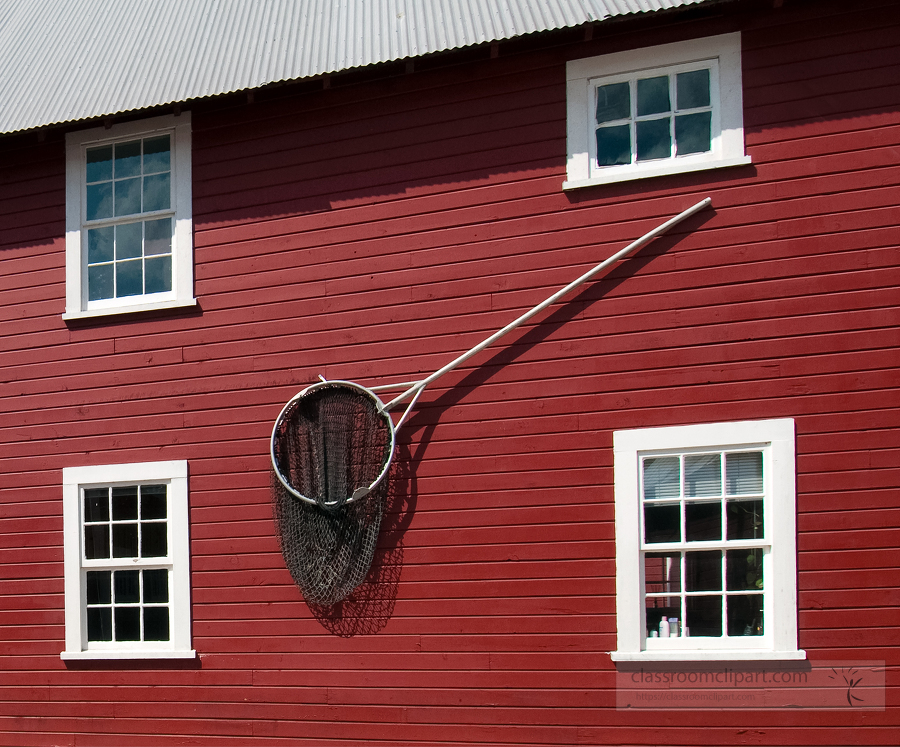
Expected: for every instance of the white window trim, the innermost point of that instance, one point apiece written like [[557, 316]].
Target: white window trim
[[780, 639], [582, 75], [182, 293], [175, 474]]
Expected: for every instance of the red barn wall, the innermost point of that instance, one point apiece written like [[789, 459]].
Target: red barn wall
[[374, 230]]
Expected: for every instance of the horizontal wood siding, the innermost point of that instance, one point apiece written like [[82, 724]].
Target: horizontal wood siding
[[373, 232]]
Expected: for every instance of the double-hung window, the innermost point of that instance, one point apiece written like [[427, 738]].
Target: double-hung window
[[651, 112], [126, 561], [705, 546], [129, 244]]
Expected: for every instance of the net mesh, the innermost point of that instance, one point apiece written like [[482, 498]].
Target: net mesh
[[327, 444]]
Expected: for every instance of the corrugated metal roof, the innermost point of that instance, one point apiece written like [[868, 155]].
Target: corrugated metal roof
[[66, 60]]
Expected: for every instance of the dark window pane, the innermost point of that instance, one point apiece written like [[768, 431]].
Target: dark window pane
[[745, 520], [703, 570], [653, 139], [744, 473], [153, 501], [745, 614], [98, 587], [662, 523], [692, 89], [662, 572], [128, 159], [659, 607], [99, 624], [704, 616], [158, 236], [96, 541], [129, 278], [702, 475], [157, 192], [744, 570], [99, 201], [159, 274], [653, 96], [703, 521], [96, 504], [124, 503], [128, 587], [128, 623], [128, 241], [662, 477], [100, 282], [125, 540], [613, 145], [156, 586], [156, 623], [153, 540], [156, 154], [693, 133], [128, 196], [99, 164], [613, 102], [100, 245]]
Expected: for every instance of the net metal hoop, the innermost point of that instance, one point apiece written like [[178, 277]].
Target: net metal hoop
[[333, 384]]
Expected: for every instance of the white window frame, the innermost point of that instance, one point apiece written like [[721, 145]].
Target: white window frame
[[585, 75], [182, 293], [779, 642], [75, 479]]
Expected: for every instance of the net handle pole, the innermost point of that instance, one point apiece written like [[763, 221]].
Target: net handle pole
[[633, 246]]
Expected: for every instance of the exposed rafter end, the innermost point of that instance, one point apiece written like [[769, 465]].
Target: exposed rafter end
[[588, 31], [495, 50], [410, 66]]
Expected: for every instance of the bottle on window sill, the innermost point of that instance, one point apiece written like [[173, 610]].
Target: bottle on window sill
[[664, 628]]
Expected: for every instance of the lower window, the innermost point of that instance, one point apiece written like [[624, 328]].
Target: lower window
[[126, 561], [705, 546]]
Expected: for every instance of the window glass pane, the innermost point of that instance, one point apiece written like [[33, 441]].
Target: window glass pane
[[744, 569], [100, 244], [745, 614], [662, 522], [153, 540], [653, 95], [99, 624], [703, 570], [702, 475], [613, 145], [128, 196], [662, 572], [745, 520], [156, 154], [158, 236], [125, 540], [744, 473], [613, 102], [159, 274], [124, 503], [100, 282], [96, 541], [156, 623], [127, 586], [99, 587], [692, 89], [704, 616], [129, 278], [703, 521], [659, 607], [128, 623], [99, 164], [128, 159], [693, 133], [156, 586], [662, 477], [128, 241], [157, 193], [99, 201], [96, 504], [653, 139], [153, 501]]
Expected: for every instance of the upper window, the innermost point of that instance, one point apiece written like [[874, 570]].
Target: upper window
[[126, 561], [656, 111], [705, 547], [129, 243]]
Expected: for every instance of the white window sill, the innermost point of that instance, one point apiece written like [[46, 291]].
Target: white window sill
[[709, 655], [130, 309], [663, 168], [149, 654]]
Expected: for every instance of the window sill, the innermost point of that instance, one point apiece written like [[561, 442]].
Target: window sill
[[709, 655], [129, 309], [666, 168], [159, 654]]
